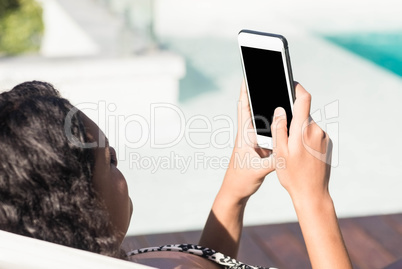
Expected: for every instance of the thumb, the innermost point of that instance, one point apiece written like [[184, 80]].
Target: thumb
[[279, 131]]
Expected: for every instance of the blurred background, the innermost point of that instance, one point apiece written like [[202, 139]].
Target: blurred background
[[150, 72]]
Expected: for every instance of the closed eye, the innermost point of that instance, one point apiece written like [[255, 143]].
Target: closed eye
[[113, 156]]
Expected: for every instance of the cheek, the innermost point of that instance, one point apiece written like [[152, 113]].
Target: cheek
[[119, 203]]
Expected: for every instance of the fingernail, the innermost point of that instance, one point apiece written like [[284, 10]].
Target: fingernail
[[279, 111]]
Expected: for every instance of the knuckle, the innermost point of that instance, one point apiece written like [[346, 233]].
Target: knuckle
[[279, 123], [305, 96], [314, 132], [318, 132]]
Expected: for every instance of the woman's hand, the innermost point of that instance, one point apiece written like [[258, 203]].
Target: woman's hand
[[247, 169], [305, 175], [306, 153], [249, 164]]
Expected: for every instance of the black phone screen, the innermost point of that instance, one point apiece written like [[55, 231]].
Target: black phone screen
[[265, 72]]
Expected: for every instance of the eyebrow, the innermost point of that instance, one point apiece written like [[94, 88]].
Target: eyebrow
[[103, 142], [107, 142]]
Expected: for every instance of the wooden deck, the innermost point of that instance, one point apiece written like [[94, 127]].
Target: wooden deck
[[372, 242]]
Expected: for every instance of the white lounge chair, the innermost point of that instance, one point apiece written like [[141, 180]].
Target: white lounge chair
[[20, 252]]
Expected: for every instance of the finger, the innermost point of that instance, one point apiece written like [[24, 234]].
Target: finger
[[279, 131], [243, 94], [245, 126], [244, 106], [301, 107]]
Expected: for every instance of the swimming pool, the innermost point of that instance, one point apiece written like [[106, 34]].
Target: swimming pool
[[383, 49]]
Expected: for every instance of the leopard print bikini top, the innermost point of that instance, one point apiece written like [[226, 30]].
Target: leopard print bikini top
[[220, 259]]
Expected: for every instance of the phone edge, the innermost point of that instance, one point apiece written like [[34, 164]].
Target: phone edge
[[269, 145]]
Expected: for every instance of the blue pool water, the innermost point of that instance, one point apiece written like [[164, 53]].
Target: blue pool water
[[383, 49]]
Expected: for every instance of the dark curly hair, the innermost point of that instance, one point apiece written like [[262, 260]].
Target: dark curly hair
[[46, 189]]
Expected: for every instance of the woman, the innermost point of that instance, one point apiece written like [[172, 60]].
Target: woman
[[59, 182], [50, 188]]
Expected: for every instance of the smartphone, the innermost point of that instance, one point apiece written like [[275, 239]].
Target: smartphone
[[269, 80]]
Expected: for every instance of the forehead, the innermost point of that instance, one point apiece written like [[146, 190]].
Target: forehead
[[94, 133], [101, 150]]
